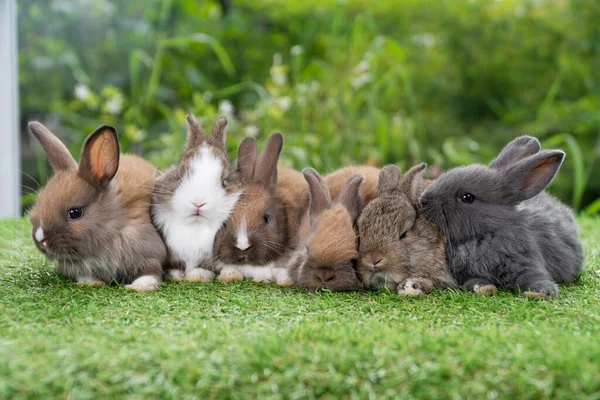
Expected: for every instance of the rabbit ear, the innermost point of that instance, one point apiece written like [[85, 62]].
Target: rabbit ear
[[320, 199], [521, 147], [195, 134], [389, 179], [350, 197], [531, 175], [58, 155], [247, 158], [100, 157], [265, 170], [412, 182], [216, 137]]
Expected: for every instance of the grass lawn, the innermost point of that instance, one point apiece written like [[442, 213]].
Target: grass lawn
[[254, 340]]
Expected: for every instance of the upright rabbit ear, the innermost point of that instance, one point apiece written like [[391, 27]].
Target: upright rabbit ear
[[389, 179], [518, 149], [320, 199], [100, 157], [350, 197], [195, 133], [531, 175], [216, 137], [412, 182], [58, 155], [265, 170], [247, 158]]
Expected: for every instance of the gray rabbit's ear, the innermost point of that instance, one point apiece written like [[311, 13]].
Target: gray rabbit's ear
[[58, 154], [217, 134], [531, 175], [389, 179], [412, 182], [247, 158], [515, 151], [320, 199], [195, 133], [100, 157], [265, 170], [350, 196]]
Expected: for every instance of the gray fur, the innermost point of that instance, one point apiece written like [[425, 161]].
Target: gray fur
[[512, 235]]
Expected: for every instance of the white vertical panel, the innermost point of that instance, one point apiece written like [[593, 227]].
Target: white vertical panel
[[9, 112]]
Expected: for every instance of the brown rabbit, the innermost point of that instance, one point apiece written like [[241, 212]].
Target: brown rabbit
[[327, 251], [398, 247], [262, 229], [336, 181], [93, 219]]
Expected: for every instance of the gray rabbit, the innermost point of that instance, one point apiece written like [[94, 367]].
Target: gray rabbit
[[501, 228]]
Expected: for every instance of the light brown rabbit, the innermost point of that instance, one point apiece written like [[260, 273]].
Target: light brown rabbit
[[93, 219], [336, 181], [327, 252], [398, 247], [262, 230]]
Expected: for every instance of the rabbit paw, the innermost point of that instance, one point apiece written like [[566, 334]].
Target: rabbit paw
[[146, 283], [230, 274], [485, 290], [541, 291], [199, 275], [410, 288], [282, 277], [90, 282], [175, 274]]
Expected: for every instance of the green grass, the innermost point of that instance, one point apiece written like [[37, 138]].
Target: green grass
[[252, 340]]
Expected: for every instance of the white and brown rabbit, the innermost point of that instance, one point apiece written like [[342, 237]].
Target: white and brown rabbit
[[327, 252], [93, 219], [263, 228], [398, 247], [501, 228], [193, 199]]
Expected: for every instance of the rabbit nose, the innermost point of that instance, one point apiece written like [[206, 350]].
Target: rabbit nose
[[374, 262], [326, 275]]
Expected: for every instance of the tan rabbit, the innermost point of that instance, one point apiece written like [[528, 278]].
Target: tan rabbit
[[93, 219], [327, 252], [262, 230], [336, 181], [399, 248]]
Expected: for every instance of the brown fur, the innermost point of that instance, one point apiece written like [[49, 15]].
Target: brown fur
[[336, 180], [387, 258], [271, 207], [327, 250], [114, 239]]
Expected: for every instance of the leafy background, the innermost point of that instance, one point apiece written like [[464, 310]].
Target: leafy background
[[445, 81]]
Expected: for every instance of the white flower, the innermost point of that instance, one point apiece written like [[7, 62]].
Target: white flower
[[226, 107], [251, 130], [207, 96], [301, 100], [278, 75], [81, 92], [115, 105], [284, 103], [277, 59], [361, 80], [424, 39], [315, 86], [473, 146], [363, 66], [296, 50]]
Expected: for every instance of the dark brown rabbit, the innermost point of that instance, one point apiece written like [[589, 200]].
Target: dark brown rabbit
[[93, 219], [398, 247]]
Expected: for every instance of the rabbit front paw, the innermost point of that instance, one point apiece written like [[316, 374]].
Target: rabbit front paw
[[199, 275], [175, 274], [83, 281], [485, 290], [230, 274], [146, 283], [543, 290], [410, 288]]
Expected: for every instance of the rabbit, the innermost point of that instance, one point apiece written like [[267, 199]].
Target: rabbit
[[501, 228], [398, 248], [93, 219], [192, 200], [327, 251], [263, 227]]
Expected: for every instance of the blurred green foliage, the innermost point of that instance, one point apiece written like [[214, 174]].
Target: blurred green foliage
[[444, 81]]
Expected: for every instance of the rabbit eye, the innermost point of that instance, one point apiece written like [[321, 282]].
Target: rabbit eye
[[267, 218], [75, 213], [403, 235], [467, 198]]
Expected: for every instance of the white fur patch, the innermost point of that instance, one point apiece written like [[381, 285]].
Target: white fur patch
[[282, 277], [242, 243], [258, 273], [189, 237], [230, 274], [410, 288], [145, 283], [39, 234], [175, 274], [199, 275]]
